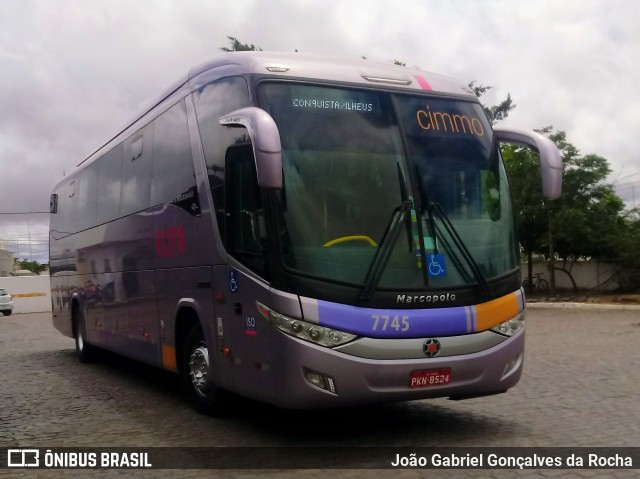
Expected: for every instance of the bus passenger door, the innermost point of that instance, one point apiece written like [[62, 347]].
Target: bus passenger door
[[246, 333]]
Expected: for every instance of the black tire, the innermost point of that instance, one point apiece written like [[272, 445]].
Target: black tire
[[86, 352], [526, 284], [194, 369], [7, 313], [543, 286]]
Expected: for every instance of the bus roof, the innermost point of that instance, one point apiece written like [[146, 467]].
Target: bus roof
[[302, 66], [334, 69]]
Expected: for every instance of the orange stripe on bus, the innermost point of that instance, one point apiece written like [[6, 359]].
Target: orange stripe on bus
[[169, 358], [498, 311], [27, 295]]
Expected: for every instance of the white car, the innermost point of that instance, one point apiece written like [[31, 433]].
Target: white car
[[6, 302]]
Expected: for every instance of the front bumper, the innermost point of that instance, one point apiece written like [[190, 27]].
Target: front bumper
[[359, 380]]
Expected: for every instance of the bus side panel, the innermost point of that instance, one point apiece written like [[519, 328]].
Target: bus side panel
[[140, 329], [90, 254], [62, 268], [182, 246], [183, 290], [61, 308], [117, 280]]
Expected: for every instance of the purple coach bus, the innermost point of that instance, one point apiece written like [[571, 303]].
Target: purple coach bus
[[305, 231]]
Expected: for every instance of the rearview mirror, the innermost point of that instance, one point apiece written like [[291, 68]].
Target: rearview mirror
[[265, 139], [550, 161]]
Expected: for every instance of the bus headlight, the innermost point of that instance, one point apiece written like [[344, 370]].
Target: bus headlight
[[313, 333], [509, 328]]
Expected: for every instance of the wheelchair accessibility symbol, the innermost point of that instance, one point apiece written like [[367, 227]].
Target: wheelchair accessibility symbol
[[437, 265], [233, 281]]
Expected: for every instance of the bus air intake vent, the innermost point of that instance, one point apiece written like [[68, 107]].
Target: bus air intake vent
[[392, 81], [278, 69]]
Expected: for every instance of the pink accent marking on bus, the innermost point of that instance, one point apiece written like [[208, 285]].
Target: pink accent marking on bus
[[171, 242], [424, 84]]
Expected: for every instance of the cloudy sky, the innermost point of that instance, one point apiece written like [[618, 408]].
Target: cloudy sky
[[73, 71]]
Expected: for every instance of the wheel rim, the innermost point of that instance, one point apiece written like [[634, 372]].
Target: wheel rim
[[199, 368]]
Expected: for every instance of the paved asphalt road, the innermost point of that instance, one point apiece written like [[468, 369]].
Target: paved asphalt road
[[580, 387]]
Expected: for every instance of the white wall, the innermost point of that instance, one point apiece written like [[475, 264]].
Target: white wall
[[588, 275], [31, 294]]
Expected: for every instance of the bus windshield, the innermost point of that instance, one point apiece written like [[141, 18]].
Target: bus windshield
[[356, 161]]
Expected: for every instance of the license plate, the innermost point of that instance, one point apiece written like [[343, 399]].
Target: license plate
[[429, 377]]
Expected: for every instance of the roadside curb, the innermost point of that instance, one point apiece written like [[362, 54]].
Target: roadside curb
[[568, 305]]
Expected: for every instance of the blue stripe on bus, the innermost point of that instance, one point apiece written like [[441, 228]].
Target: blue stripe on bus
[[412, 323], [397, 323]]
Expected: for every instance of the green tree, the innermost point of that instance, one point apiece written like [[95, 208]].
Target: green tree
[[585, 221], [32, 266], [589, 212], [497, 112], [238, 46]]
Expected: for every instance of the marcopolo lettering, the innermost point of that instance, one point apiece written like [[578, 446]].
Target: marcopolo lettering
[[425, 298]]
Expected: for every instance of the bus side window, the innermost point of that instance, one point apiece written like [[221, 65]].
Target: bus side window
[[88, 197], [57, 203], [172, 172], [212, 101], [109, 185], [70, 215], [245, 229], [136, 171]]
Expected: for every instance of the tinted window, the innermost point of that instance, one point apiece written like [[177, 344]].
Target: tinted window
[[56, 218], [60, 220], [109, 185], [136, 171], [87, 197], [245, 218], [345, 177], [173, 173], [71, 210], [342, 159], [213, 101]]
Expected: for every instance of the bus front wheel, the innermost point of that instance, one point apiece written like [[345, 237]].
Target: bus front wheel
[[206, 397]]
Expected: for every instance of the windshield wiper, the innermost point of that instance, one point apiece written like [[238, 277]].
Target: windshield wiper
[[385, 248], [466, 254]]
